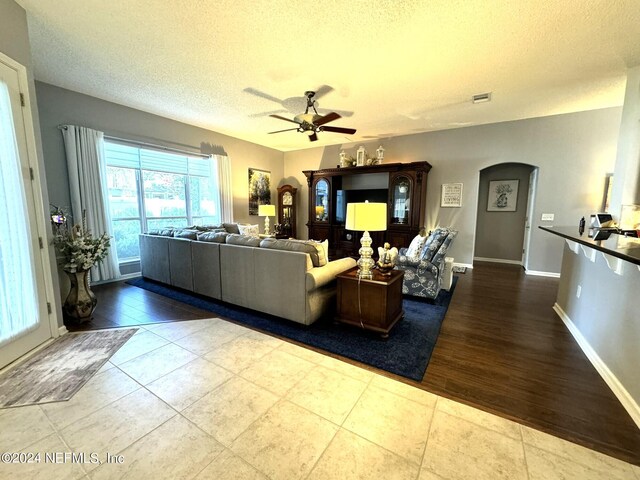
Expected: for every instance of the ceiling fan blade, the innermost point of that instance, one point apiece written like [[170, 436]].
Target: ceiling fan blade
[[264, 114], [258, 93], [329, 117], [284, 118], [348, 131], [286, 130], [344, 113], [313, 137], [322, 90]]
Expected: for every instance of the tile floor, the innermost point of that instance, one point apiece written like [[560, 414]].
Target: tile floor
[[207, 399]]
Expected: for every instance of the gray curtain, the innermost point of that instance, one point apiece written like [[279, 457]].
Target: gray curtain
[[87, 170]]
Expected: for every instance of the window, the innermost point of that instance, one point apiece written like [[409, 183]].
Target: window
[[149, 189]]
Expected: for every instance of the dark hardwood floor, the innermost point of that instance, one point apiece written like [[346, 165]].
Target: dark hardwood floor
[[501, 349]]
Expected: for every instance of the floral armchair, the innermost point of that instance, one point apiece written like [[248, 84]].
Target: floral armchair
[[423, 263]]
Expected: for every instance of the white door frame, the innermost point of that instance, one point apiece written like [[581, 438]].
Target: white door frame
[[533, 184], [41, 215]]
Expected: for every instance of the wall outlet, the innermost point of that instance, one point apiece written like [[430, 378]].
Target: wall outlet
[[548, 217], [578, 291]]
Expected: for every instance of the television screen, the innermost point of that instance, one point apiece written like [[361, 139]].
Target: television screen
[[343, 197]]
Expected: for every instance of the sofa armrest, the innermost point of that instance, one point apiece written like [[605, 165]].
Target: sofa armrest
[[403, 261], [320, 276], [425, 266]]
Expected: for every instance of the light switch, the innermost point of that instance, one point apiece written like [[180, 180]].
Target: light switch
[[548, 217]]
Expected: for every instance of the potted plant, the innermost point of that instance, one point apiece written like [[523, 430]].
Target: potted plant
[[78, 251]]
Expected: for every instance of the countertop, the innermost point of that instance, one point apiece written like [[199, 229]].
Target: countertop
[[626, 248]]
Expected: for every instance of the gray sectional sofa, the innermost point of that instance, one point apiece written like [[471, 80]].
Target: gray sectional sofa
[[279, 277]]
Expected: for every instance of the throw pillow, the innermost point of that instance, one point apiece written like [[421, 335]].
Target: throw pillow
[[415, 248], [323, 251], [433, 244], [249, 230], [185, 233], [231, 227], [216, 237]]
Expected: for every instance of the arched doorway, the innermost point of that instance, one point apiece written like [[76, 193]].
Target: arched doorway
[[505, 200]]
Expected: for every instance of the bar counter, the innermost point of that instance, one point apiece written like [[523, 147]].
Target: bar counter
[[625, 248]]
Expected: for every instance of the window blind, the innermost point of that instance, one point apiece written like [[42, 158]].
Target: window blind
[[127, 156]]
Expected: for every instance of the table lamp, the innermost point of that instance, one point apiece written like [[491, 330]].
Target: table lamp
[[365, 217], [266, 211]]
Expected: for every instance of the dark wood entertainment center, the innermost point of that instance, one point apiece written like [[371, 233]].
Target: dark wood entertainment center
[[406, 193]]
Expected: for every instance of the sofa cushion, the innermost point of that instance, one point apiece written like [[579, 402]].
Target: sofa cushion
[[315, 252], [207, 228], [231, 228], [415, 248], [244, 240], [186, 233], [249, 230], [213, 236], [166, 232]]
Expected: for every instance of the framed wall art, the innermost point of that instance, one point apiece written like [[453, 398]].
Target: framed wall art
[[259, 189], [451, 195], [503, 196]]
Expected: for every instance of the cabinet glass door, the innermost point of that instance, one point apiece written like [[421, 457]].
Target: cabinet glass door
[[401, 200], [286, 220], [322, 201]]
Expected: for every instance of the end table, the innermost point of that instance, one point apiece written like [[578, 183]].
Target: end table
[[374, 304]]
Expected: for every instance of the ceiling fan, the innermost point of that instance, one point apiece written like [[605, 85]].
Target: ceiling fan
[[312, 123], [295, 104]]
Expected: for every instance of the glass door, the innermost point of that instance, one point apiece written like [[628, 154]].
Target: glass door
[[400, 200], [24, 321], [322, 200]]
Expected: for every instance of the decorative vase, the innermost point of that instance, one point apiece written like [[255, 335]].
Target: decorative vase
[[81, 302]]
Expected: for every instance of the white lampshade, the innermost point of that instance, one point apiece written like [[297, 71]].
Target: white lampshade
[[266, 210], [366, 216]]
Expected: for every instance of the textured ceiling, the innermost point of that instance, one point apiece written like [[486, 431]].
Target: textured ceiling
[[401, 66]]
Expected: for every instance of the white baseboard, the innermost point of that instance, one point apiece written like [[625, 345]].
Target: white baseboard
[[498, 260], [119, 279], [627, 401], [468, 265], [62, 330], [537, 273]]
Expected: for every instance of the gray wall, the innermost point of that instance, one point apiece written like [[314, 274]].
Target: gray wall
[[59, 106], [500, 235], [606, 314], [14, 35], [573, 152]]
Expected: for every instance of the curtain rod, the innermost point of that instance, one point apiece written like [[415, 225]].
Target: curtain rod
[[151, 145]]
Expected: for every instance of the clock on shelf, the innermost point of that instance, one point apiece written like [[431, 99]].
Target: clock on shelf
[[287, 211]]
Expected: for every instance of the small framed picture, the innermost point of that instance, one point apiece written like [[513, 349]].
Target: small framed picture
[[361, 157], [451, 195], [503, 196]]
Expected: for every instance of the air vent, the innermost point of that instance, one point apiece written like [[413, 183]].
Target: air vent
[[481, 97]]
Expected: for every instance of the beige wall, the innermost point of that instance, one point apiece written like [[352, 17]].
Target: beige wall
[[59, 106], [573, 153]]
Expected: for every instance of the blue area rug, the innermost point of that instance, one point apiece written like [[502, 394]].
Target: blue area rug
[[406, 352]]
